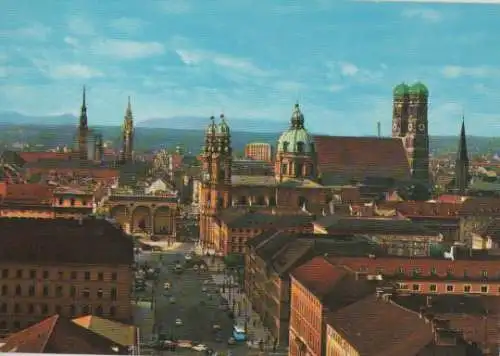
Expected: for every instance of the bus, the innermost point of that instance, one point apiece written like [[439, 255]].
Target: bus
[[239, 333]]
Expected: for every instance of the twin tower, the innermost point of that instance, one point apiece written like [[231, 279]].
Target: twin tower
[[409, 122]]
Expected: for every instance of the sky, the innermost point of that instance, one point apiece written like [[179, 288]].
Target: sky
[[253, 59]]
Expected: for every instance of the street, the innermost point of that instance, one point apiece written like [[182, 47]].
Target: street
[[198, 310]]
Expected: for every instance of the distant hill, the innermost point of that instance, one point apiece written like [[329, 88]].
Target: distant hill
[[15, 118], [191, 122], [50, 131]]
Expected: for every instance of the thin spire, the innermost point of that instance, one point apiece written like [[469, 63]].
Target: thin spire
[[83, 111], [129, 109], [84, 99]]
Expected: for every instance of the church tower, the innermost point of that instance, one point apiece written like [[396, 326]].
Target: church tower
[[409, 122], [83, 129], [295, 153], [128, 135], [462, 175], [216, 179]]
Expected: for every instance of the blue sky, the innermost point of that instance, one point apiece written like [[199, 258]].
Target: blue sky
[[252, 59]]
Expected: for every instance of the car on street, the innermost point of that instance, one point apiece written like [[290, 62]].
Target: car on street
[[178, 322], [200, 348], [166, 285], [188, 257], [172, 300], [178, 268]]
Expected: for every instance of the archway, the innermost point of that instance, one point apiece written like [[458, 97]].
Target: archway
[[121, 214], [162, 221], [141, 219]]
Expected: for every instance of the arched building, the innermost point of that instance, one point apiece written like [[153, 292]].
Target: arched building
[[310, 173]]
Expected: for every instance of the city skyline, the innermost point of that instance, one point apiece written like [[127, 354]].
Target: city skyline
[[193, 58]]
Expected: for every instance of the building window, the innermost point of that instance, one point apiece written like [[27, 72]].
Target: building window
[[73, 275], [31, 308], [45, 274], [32, 274], [433, 271], [114, 276], [5, 273], [72, 291], [86, 309], [18, 290], [98, 310], [466, 273], [17, 308], [433, 288], [86, 293], [484, 289], [5, 290], [45, 291], [19, 273], [100, 276], [58, 309], [401, 270], [100, 293], [84, 202], [450, 288], [484, 274], [113, 294], [59, 291], [87, 276], [467, 289], [60, 275], [44, 308], [72, 310], [72, 202], [3, 308], [285, 146], [61, 201], [31, 291], [300, 147], [415, 287], [112, 311]]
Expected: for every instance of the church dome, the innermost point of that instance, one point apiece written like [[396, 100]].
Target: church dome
[[212, 127], [401, 90], [223, 126], [296, 139], [419, 89]]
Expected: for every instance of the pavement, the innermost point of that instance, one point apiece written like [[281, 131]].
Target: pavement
[[197, 310]]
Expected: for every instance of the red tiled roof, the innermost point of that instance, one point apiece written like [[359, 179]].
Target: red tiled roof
[[361, 157], [37, 156], [481, 207], [58, 335], [449, 198], [28, 194], [380, 328], [422, 208], [318, 276]]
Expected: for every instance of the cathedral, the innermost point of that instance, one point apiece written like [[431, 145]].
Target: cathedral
[[311, 172]]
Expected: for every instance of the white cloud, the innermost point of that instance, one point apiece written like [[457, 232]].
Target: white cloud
[[80, 26], [37, 32], [197, 57], [175, 7], [439, 1], [453, 72], [127, 25], [351, 70], [74, 42], [126, 49], [55, 70], [335, 88], [428, 15]]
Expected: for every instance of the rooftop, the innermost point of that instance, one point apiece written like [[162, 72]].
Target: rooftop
[[264, 218], [381, 328], [60, 241], [121, 334], [480, 207], [58, 335]]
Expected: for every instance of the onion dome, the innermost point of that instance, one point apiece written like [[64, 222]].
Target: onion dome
[[419, 89], [223, 126], [401, 90], [212, 127], [296, 139]]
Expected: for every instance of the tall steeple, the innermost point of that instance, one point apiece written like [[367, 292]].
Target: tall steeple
[[462, 163], [128, 134], [83, 112]]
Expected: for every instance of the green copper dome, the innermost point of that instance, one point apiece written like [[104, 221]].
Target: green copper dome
[[419, 89], [223, 126], [401, 90], [296, 139], [212, 127]]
